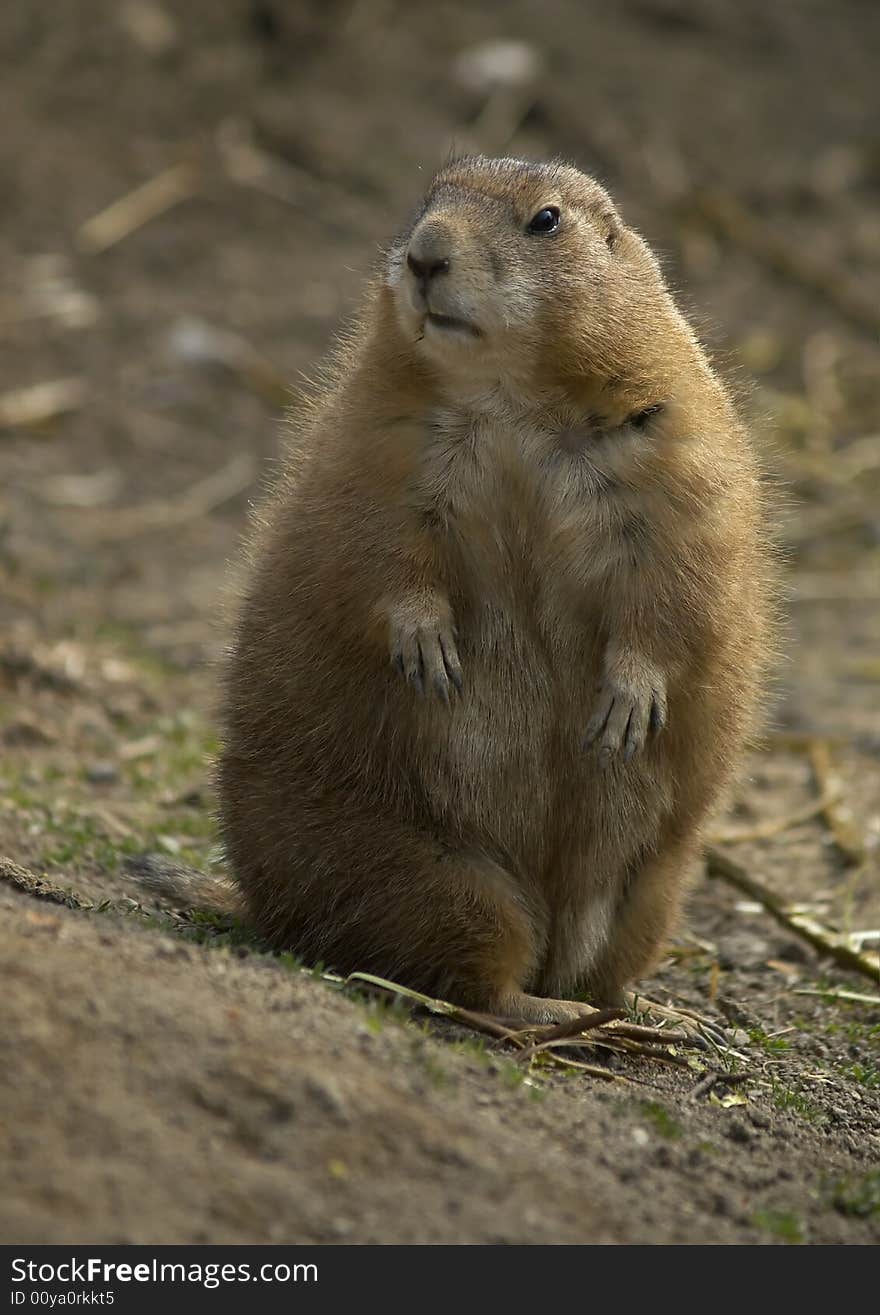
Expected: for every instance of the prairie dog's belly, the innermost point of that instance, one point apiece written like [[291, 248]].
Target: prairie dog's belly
[[506, 770], [496, 756], [507, 756], [525, 534]]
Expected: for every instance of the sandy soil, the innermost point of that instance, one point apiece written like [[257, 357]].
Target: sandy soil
[[165, 1081]]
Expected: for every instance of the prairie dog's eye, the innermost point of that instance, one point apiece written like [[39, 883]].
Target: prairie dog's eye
[[545, 221]]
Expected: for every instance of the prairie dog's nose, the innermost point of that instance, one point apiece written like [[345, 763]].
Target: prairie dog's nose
[[425, 267], [429, 252]]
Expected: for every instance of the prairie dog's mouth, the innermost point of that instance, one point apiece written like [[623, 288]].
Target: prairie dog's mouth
[[451, 324]]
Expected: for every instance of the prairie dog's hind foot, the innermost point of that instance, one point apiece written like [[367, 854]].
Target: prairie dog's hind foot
[[684, 1020], [519, 1007]]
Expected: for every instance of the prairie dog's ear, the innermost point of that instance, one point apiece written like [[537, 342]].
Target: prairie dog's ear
[[610, 227]]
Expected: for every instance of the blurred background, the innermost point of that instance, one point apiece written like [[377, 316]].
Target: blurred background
[[191, 197]]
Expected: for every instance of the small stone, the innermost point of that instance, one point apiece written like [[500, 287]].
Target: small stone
[[792, 952], [742, 949], [150, 26], [491, 64], [102, 773], [737, 1131], [27, 733], [326, 1092]]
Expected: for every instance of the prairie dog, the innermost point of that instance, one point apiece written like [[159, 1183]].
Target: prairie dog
[[501, 634]]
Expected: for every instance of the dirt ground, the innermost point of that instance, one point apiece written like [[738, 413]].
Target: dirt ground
[[166, 1081]]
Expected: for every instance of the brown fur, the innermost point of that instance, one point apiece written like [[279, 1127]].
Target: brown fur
[[501, 499]]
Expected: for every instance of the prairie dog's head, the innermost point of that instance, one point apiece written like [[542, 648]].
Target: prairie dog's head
[[519, 271]]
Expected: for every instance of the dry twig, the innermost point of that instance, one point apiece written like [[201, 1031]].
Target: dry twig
[[40, 887], [196, 502], [776, 825], [30, 407], [605, 1029], [719, 864], [846, 837], [854, 997], [138, 207]]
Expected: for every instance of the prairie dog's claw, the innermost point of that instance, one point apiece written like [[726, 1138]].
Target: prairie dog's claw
[[627, 712], [426, 656]]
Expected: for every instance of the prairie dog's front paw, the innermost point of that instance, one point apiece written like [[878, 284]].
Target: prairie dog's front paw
[[423, 650], [630, 705]]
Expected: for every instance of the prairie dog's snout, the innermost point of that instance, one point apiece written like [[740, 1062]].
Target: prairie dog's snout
[[445, 288], [429, 253]]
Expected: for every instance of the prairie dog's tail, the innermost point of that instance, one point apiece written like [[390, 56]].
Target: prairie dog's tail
[[185, 887]]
